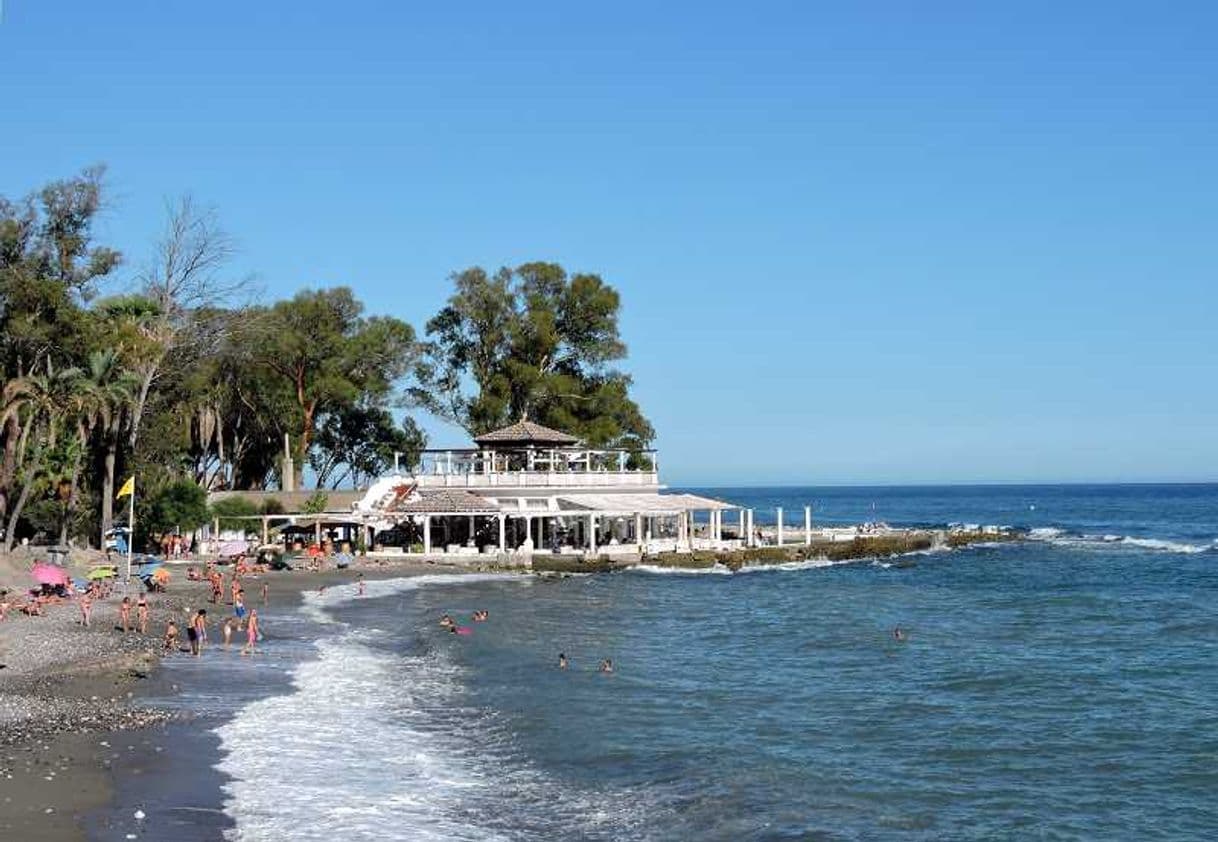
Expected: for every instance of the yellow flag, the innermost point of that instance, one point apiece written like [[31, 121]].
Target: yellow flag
[[128, 488]]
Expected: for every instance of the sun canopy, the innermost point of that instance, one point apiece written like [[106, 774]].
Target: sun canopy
[[640, 503]]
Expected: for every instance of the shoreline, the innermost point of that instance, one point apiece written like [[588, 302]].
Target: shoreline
[[115, 746], [83, 726]]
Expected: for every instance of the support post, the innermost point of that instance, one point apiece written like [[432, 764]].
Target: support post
[[780, 526], [743, 529], [426, 534], [265, 526], [750, 536], [528, 529], [502, 533], [807, 525], [638, 529], [592, 533], [317, 532]]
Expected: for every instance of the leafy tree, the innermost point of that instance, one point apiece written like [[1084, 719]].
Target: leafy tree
[[316, 504], [231, 510], [329, 356], [358, 443], [49, 267], [531, 342], [180, 505]]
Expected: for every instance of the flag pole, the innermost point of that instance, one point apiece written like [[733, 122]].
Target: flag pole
[[130, 534]]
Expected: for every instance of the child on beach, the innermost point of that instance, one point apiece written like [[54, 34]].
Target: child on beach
[[86, 609], [239, 608], [251, 632], [360, 577], [141, 613], [171, 637], [227, 629], [124, 614]]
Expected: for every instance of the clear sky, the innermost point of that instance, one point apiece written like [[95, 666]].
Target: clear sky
[[856, 242]]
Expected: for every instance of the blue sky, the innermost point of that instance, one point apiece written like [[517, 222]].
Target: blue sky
[[856, 243]]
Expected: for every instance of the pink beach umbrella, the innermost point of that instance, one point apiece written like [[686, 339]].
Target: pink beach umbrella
[[49, 574]]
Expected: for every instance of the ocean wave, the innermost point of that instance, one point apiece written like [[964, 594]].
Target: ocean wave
[[1064, 538], [655, 569], [377, 743]]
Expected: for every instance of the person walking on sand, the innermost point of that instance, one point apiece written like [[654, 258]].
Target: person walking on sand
[[266, 592], [124, 614], [251, 632], [86, 608], [141, 613]]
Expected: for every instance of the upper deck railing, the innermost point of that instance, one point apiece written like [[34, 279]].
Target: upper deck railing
[[536, 468]]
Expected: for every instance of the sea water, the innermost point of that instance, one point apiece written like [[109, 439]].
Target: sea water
[[1065, 687]]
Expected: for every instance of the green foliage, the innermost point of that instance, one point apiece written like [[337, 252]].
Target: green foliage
[[272, 506], [231, 510], [534, 342], [322, 349], [356, 444], [181, 505], [316, 504]]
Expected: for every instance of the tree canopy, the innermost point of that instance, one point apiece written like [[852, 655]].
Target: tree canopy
[[175, 378], [531, 342]]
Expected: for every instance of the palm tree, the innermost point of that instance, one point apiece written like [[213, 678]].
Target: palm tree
[[43, 401], [107, 392]]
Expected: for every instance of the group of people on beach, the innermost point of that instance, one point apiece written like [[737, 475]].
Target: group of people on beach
[[243, 618]]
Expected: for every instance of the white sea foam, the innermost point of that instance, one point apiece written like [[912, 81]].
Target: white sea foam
[[714, 570], [374, 744], [1062, 538]]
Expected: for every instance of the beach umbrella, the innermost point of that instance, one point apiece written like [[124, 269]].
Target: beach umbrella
[[161, 575], [231, 548], [49, 574], [102, 573]]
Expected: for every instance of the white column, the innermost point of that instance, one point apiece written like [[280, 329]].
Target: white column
[[807, 525], [749, 538], [592, 533], [638, 528], [528, 529], [472, 529], [743, 531], [427, 534], [502, 533], [718, 525], [780, 526]]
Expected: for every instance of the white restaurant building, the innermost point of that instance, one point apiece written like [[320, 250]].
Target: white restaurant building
[[521, 490]]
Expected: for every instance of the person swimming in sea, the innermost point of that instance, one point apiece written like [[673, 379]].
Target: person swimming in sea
[[562, 661], [606, 665], [447, 622], [898, 634]]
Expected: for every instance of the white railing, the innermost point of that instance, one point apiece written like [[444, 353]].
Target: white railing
[[535, 479], [490, 462]]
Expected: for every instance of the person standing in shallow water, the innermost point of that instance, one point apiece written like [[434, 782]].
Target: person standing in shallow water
[[251, 632], [197, 632], [562, 661]]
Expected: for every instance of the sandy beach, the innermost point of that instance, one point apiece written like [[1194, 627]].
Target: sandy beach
[[74, 726]]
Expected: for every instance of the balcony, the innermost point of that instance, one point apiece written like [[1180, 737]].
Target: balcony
[[537, 468]]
